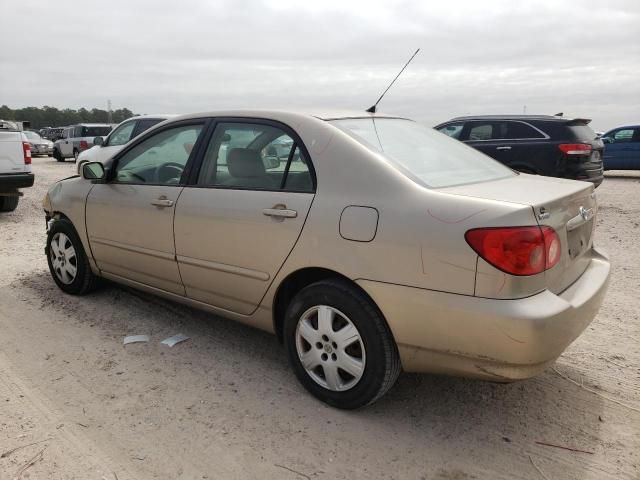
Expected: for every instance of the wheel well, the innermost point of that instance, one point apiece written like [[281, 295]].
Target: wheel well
[[295, 282]]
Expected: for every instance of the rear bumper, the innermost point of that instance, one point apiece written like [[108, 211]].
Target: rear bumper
[[11, 181], [501, 340]]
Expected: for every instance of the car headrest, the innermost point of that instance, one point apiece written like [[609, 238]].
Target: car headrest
[[243, 162]]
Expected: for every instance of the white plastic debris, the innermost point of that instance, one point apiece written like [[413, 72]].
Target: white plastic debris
[[171, 341], [135, 339]]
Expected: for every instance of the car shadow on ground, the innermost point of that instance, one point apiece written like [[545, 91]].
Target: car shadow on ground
[[622, 175], [422, 411]]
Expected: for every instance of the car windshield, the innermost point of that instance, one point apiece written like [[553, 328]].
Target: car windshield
[[423, 154], [95, 131], [32, 135]]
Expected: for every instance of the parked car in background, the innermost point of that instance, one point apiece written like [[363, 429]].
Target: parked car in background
[[622, 148], [103, 150], [15, 164], [39, 145], [379, 244], [77, 138], [547, 145]]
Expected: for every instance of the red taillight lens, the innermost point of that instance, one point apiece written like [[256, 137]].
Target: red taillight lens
[[575, 148], [83, 145], [517, 250], [26, 151]]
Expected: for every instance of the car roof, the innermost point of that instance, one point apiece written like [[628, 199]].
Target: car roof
[[287, 115], [547, 118]]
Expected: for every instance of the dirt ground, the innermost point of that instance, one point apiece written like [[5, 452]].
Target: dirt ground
[[225, 405]]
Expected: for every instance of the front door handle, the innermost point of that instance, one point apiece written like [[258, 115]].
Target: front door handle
[[503, 148], [280, 210], [162, 202]]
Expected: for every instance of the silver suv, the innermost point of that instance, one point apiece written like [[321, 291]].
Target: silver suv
[[77, 138]]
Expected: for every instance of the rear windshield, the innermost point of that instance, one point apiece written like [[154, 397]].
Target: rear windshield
[[584, 133], [95, 131], [423, 154]]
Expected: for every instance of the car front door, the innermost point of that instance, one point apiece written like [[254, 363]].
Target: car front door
[[130, 216], [621, 149], [239, 220], [486, 136]]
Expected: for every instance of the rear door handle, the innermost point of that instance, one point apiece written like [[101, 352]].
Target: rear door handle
[[280, 211], [503, 148], [162, 202]]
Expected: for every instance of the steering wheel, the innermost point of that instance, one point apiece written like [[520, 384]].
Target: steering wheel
[[168, 171]]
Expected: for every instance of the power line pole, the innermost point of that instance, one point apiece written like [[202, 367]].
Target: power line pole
[[109, 114]]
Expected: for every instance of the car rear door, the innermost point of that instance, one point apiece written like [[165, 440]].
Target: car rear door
[[240, 218], [130, 217]]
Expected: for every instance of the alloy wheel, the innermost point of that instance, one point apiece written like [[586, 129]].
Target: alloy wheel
[[63, 258], [330, 348]]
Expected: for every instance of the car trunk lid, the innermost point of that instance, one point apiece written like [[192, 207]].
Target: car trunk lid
[[568, 206]]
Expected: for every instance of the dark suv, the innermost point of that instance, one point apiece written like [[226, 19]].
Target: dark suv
[[540, 144]]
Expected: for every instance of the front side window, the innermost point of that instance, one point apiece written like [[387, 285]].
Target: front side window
[[423, 154], [254, 156], [159, 159], [482, 131], [625, 135], [452, 130], [121, 134]]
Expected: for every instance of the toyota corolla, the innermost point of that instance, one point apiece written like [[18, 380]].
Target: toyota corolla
[[372, 245]]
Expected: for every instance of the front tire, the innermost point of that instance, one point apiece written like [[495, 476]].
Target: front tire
[[57, 155], [339, 345], [8, 204], [68, 262]]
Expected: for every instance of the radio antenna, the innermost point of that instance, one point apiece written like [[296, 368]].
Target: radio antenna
[[372, 109]]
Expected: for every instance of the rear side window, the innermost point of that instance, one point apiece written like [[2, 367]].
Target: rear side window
[[254, 156], [520, 130], [146, 123], [94, 131]]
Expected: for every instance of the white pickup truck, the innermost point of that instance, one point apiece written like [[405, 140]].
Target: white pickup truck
[[15, 164]]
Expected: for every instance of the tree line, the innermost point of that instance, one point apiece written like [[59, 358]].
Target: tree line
[[53, 117]]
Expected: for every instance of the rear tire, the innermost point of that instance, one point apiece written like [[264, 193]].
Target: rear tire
[[68, 262], [76, 153], [8, 204], [350, 359]]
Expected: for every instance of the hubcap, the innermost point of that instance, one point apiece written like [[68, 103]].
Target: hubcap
[[63, 258], [330, 348]]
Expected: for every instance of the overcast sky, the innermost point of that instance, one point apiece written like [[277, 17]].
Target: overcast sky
[[180, 56]]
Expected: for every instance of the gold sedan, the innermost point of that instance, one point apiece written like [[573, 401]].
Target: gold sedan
[[368, 244]]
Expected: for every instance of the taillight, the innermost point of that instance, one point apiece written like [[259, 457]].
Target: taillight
[[517, 250], [575, 148], [83, 145], [26, 151]]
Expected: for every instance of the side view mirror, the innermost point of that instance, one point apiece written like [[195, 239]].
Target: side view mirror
[[93, 171], [98, 141], [607, 139]]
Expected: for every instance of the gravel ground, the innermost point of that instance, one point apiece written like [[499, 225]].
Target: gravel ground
[[225, 404]]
